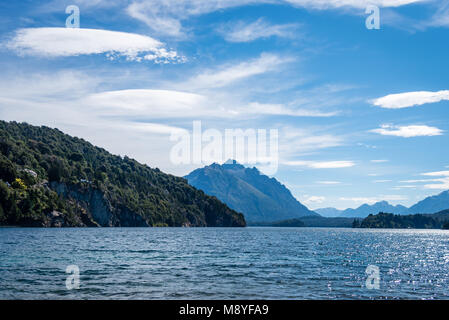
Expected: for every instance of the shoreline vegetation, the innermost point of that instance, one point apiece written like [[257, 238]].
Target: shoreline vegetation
[[383, 220]]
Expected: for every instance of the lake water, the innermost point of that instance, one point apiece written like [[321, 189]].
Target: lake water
[[249, 263]]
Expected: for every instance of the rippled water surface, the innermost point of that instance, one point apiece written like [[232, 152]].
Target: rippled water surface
[[250, 263]]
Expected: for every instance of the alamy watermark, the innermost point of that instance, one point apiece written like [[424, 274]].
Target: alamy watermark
[[73, 279], [246, 146], [373, 20], [73, 20], [373, 280]]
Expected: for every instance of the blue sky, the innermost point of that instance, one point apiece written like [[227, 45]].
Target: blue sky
[[362, 114]]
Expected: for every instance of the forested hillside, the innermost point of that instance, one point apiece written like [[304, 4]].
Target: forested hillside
[[48, 178]]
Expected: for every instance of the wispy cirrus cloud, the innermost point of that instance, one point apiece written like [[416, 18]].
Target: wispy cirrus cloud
[[260, 29], [329, 183], [295, 142], [167, 17], [372, 200], [231, 73], [442, 181], [321, 164], [313, 200], [441, 17], [360, 4], [171, 104], [410, 99], [66, 42], [408, 131], [438, 180], [436, 174]]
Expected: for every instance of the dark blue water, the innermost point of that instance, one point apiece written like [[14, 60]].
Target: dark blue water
[[251, 263]]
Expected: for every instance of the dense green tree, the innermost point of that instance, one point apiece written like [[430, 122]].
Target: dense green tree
[[8, 171], [124, 184], [415, 221]]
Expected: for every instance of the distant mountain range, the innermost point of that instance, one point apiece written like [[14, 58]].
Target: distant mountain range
[[246, 190], [431, 204]]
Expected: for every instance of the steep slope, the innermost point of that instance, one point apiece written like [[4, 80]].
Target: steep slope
[[258, 197], [366, 209], [48, 178], [432, 204]]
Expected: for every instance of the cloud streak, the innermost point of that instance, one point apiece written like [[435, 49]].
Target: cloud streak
[[359, 4], [372, 200], [322, 164], [410, 99], [166, 17], [408, 131], [227, 75], [259, 29], [66, 42], [443, 181]]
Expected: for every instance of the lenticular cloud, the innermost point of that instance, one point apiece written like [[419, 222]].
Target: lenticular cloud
[[65, 42]]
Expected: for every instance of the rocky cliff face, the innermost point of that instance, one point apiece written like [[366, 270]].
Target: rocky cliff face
[[98, 207]]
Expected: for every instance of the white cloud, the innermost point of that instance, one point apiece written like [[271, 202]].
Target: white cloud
[[259, 29], [359, 4], [372, 200], [436, 174], [301, 140], [329, 182], [410, 99], [441, 180], [147, 102], [230, 74], [312, 200], [152, 103], [165, 17], [379, 161], [441, 17], [321, 164], [417, 181], [405, 187], [381, 181], [408, 131], [280, 109], [154, 128], [442, 185], [65, 42]]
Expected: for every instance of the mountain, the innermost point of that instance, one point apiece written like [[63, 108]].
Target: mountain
[[429, 205], [362, 211], [432, 204], [329, 212], [366, 209], [246, 190], [50, 179]]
